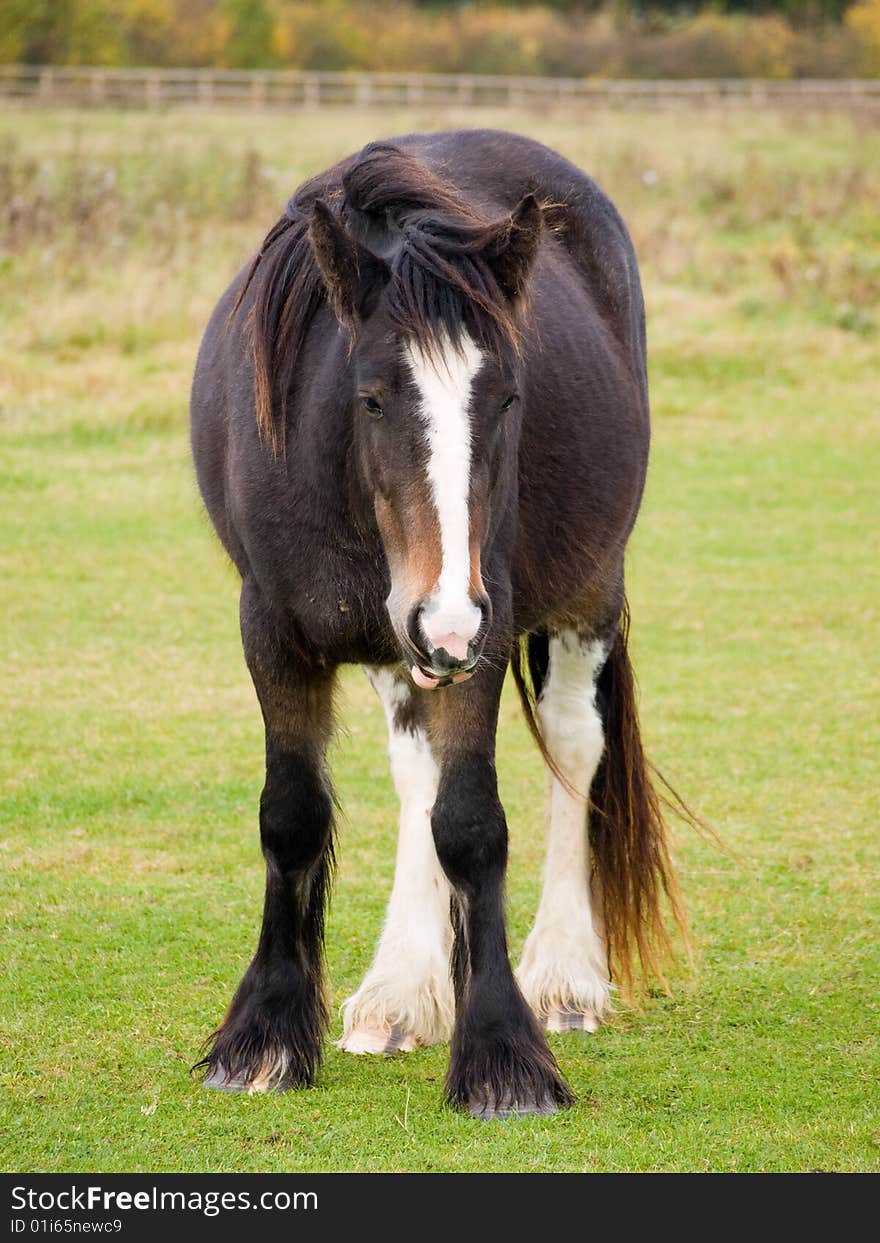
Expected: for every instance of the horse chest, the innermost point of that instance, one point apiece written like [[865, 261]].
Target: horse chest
[[336, 602]]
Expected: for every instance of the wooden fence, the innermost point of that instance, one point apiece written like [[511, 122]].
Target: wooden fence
[[162, 88]]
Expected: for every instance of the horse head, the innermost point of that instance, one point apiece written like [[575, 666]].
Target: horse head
[[432, 298]]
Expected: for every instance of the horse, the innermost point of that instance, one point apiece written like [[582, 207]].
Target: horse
[[420, 428]]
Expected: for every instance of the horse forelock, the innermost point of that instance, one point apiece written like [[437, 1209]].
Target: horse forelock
[[443, 290], [443, 287], [439, 247]]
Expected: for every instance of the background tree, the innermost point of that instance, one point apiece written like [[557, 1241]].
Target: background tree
[[249, 38], [577, 38]]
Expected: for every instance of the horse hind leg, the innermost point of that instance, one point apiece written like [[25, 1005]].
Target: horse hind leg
[[564, 968], [406, 997]]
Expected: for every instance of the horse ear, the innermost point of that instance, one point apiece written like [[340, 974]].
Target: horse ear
[[513, 251], [353, 276]]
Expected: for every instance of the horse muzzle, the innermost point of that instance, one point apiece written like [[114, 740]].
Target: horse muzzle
[[439, 657], [451, 660]]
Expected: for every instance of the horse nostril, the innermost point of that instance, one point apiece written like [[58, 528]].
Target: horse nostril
[[414, 628]]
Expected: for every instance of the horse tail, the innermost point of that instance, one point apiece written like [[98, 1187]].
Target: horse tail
[[629, 834]]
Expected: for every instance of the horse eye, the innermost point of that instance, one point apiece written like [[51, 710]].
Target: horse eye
[[372, 407], [505, 405]]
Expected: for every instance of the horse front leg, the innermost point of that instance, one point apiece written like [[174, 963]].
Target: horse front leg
[[500, 1062], [271, 1037], [405, 1000]]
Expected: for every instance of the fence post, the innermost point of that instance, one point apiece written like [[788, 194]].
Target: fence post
[[47, 84], [414, 89], [96, 86], [311, 93], [258, 92], [205, 87], [364, 91], [153, 90]]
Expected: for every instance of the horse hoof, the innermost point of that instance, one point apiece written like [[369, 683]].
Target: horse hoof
[[381, 1038], [491, 1107], [219, 1079], [571, 1021], [265, 1080]]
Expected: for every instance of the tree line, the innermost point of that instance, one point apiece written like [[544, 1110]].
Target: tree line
[[576, 38]]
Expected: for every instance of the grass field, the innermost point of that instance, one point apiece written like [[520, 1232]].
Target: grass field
[[131, 748]]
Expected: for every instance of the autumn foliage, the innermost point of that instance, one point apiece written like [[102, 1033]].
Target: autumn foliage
[[813, 38]]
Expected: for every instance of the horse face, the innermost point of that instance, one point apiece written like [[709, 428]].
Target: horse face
[[436, 441], [436, 429]]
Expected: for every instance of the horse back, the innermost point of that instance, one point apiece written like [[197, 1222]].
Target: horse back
[[495, 169]]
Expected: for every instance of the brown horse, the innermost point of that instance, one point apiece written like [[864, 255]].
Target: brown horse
[[420, 427]]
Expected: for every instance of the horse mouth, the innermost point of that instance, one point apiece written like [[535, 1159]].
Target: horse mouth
[[428, 681]]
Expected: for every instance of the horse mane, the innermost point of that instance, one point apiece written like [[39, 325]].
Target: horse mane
[[442, 282]]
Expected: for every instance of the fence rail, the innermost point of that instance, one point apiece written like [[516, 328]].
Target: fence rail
[[161, 88]]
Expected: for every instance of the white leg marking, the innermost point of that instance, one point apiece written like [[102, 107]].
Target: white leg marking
[[444, 383], [406, 998], [564, 970]]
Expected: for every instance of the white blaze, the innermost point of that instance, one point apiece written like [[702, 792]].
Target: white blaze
[[445, 381]]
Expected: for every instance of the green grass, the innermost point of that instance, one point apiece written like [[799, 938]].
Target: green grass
[[132, 750]]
